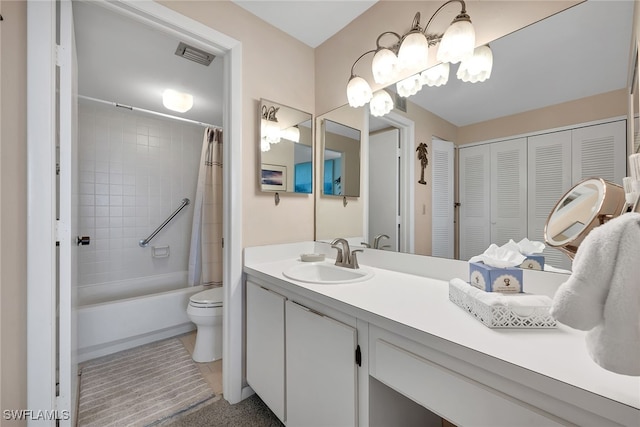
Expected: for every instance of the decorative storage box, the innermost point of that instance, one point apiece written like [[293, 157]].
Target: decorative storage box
[[502, 316], [533, 262], [494, 279]]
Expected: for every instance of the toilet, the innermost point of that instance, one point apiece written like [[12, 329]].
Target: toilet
[[205, 310]]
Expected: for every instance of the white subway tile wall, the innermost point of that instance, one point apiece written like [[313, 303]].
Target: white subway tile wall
[[134, 170]]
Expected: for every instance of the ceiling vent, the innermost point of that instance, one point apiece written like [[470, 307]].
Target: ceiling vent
[[194, 54]]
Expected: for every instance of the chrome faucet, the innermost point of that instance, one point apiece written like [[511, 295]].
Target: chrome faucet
[[346, 257], [376, 240]]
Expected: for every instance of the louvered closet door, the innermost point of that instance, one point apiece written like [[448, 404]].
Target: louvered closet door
[[508, 191], [442, 235], [474, 200], [549, 159], [600, 151]]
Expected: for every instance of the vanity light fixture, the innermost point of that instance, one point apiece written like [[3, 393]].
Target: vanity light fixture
[[177, 101], [410, 53]]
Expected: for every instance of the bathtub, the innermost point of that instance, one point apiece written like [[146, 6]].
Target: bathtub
[[112, 317]]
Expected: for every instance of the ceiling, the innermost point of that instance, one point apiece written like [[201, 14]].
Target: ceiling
[[310, 21], [579, 52]]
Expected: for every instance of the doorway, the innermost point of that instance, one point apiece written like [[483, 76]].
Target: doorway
[[45, 230], [402, 167]]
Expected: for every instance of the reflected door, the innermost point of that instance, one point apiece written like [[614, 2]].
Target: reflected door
[[384, 184], [442, 230]]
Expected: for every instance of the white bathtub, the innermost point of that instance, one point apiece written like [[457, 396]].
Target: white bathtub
[[117, 316]]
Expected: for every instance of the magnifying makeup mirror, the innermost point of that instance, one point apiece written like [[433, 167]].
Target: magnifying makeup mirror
[[590, 203]]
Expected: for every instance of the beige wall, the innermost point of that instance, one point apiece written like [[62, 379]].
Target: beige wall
[[603, 106], [13, 207], [275, 67]]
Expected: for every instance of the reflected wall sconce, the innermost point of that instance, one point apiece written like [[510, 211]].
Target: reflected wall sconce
[[270, 131], [409, 54]]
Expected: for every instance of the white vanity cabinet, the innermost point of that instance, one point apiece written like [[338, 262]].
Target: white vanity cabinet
[[321, 369], [266, 346], [300, 361]]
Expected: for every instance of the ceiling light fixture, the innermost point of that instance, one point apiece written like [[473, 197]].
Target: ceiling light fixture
[[177, 101], [409, 53]]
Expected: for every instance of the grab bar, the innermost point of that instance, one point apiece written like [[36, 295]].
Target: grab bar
[[144, 242]]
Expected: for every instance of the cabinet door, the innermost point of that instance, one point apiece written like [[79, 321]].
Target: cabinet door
[[265, 346], [321, 369], [600, 151], [475, 177], [508, 191], [549, 158]]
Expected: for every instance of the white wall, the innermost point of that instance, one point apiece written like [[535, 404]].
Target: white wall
[[134, 171]]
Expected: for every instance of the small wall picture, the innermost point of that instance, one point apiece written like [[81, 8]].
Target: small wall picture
[[273, 177]]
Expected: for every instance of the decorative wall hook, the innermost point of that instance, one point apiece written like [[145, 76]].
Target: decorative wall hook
[[344, 201], [276, 198], [424, 160]]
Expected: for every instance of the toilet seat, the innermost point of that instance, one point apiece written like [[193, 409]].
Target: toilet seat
[[207, 299]]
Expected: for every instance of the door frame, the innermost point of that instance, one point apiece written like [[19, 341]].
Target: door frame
[[41, 198], [407, 174]]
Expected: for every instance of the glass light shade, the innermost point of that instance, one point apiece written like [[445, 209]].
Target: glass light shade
[[436, 76], [292, 134], [381, 103], [384, 66], [177, 101], [270, 131], [264, 145], [478, 67], [409, 86], [457, 42], [358, 92], [414, 52]]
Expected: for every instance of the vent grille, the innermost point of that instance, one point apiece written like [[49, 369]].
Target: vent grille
[[194, 54]]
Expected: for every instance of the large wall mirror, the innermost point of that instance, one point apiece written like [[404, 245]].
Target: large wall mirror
[[340, 161], [286, 152], [523, 60]]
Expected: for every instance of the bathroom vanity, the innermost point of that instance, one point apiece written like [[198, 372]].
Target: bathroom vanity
[[313, 349]]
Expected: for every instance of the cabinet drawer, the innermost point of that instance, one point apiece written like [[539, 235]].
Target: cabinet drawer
[[451, 395]]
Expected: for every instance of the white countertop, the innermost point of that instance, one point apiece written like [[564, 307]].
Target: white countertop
[[422, 304]]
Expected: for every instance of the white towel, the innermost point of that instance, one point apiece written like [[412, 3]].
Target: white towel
[[498, 299], [602, 295]]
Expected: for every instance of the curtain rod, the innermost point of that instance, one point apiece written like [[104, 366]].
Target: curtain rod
[[155, 113]]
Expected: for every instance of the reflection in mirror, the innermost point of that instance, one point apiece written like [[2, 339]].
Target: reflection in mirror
[[484, 112], [587, 205], [340, 159], [286, 152]]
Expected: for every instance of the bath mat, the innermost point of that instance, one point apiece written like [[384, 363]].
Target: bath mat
[[140, 387]]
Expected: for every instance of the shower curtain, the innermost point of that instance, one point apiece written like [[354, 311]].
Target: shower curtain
[[205, 255]]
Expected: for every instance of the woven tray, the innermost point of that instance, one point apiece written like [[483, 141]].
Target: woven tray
[[502, 316]]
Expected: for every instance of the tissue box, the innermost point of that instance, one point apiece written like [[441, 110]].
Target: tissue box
[[533, 262], [494, 279]]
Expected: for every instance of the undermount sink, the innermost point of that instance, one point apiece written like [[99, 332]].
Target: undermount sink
[[327, 274]]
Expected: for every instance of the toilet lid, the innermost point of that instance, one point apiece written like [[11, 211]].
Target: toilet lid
[[210, 297]]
